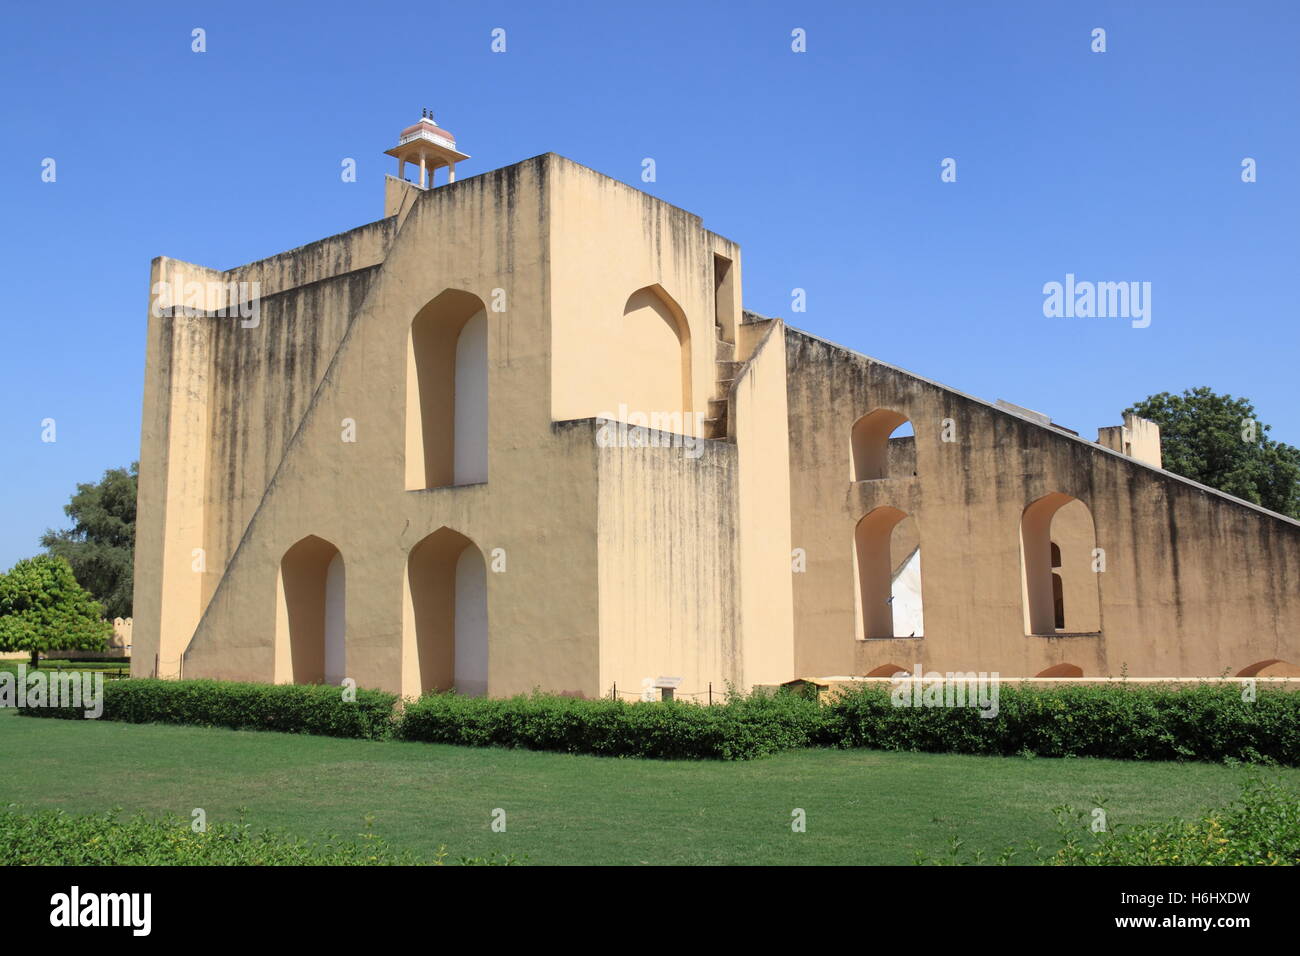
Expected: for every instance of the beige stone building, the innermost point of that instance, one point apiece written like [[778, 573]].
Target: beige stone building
[[520, 433]]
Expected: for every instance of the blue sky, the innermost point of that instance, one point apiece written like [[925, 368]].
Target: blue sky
[[823, 165]]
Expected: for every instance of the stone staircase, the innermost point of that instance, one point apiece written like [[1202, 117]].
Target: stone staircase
[[719, 422]]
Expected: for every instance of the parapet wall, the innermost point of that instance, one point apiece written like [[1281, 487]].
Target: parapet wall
[[1195, 583]]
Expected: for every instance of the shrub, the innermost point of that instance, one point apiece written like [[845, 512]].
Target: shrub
[[1128, 722], [55, 838], [741, 729], [43, 608], [289, 708], [1260, 828]]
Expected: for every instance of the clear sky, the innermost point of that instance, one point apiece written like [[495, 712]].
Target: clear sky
[[824, 166]]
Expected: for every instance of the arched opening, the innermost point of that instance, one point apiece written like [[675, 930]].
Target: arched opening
[[887, 670], [1061, 670], [724, 314], [656, 338], [1058, 587], [311, 613], [887, 560], [1270, 668], [1060, 590], [446, 393], [882, 446], [445, 615]]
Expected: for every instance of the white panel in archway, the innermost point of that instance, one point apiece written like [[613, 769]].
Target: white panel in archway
[[471, 661], [335, 613], [471, 412], [906, 593]]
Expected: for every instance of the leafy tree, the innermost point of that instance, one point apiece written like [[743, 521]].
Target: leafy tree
[[100, 546], [1218, 441], [43, 608]]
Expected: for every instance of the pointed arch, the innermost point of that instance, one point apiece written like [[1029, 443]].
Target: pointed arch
[[887, 562], [657, 334], [447, 392], [445, 622], [1060, 590], [875, 452], [311, 614]]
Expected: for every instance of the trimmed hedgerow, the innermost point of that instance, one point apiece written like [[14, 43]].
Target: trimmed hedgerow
[[1127, 722], [1203, 722], [741, 729], [290, 708], [1123, 721]]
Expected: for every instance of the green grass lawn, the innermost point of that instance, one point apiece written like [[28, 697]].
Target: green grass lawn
[[862, 806]]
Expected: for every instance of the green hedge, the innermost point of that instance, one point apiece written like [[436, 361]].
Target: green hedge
[[1126, 722], [289, 708], [1130, 722], [741, 729], [55, 838]]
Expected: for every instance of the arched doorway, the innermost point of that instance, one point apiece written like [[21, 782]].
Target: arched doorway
[[887, 559], [445, 619], [311, 614], [1060, 589], [447, 393]]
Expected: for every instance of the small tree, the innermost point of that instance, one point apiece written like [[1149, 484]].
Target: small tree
[[43, 608]]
